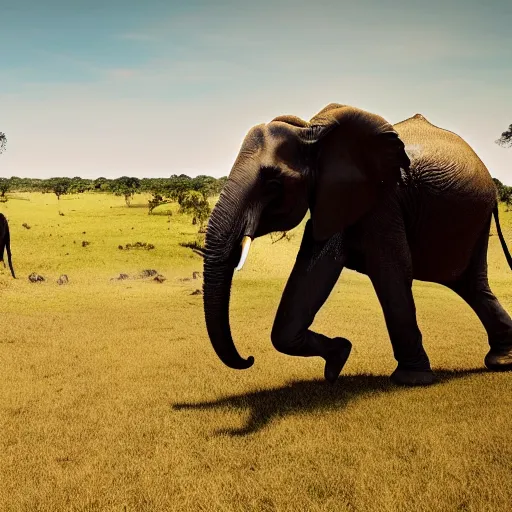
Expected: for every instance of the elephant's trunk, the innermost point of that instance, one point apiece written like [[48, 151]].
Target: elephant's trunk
[[229, 222]]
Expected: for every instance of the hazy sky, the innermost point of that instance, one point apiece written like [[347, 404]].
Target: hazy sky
[[154, 88]]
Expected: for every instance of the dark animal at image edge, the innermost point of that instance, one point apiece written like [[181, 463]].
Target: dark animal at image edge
[[397, 203], [5, 242]]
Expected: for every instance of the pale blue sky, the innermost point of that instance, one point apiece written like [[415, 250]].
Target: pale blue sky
[[110, 87]]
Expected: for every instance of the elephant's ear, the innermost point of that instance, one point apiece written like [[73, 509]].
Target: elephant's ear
[[342, 193], [387, 157], [357, 154]]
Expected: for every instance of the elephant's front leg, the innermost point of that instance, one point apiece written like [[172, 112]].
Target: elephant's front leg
[[390, 270], [307, 289]]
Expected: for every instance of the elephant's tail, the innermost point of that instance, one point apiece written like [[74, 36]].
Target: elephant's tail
[[500, 235]]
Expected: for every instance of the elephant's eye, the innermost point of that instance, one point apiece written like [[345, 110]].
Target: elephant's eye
[[273, 189], [273, 185], [269, 172]]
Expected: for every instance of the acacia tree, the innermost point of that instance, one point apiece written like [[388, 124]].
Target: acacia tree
[[507, 198], [5, 186], [196, 205], [59, 186], [125, 186], [167, 190], [206, 185], [178, 187], [160, 189], [506, 138], [101, 184], [80, 185]]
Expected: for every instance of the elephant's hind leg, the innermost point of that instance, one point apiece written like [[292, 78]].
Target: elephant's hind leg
[[305, 293], [494, 318], [474, 288]]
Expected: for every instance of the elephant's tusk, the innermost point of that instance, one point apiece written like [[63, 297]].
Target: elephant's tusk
[[246, 245]]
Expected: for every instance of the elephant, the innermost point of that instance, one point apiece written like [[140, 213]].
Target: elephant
[[5, 242], [403, 202]]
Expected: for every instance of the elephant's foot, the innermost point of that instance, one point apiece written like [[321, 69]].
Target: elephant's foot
[[403, 377], [499, 360], [336, 358]]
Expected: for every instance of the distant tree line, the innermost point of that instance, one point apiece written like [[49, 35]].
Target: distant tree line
[[191, 194], [188, 192]]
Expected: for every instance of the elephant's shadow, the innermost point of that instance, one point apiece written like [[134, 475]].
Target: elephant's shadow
[[308, 395]]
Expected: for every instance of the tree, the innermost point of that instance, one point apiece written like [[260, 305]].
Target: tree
[[80, 185], [15, 183], [506, 197], [504, 193], [499, 187], [101, 184], [220, 184], [59, 186], [206, 185], [156, 200], [506, 138], [196, 205], [5, 186], [178, 187], [125, 186]]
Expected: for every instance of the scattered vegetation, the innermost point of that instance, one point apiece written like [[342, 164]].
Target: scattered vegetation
[[36, 278], [280, 235], [196, 204], [126, 187], [137, 245], [63, 279], [5, 186], [197, 245], [155, 201], [192, 195], [145, 274], [59, 186]]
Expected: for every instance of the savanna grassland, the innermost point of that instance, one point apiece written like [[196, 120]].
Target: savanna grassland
[[112, 398]]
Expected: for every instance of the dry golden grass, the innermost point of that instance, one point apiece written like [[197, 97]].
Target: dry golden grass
[[112, 398]]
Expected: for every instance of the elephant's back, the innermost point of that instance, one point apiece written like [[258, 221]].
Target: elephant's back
[[442, 161], [452, 195]]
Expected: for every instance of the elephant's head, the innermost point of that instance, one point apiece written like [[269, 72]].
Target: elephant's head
[[337, 165]]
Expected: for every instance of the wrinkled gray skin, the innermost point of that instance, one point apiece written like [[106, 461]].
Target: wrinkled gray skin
[[5, 242], [392, 214]]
